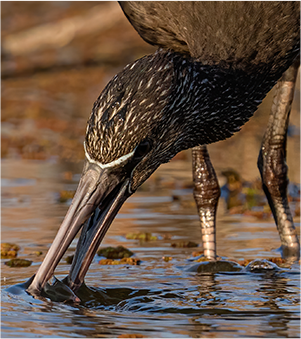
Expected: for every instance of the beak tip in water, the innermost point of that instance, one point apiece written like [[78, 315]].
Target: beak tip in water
[[58, 291], [98, 198]]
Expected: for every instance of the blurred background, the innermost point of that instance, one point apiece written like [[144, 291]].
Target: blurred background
[[56, 58]]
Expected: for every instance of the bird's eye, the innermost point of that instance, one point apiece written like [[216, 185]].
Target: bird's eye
[[142, 149]]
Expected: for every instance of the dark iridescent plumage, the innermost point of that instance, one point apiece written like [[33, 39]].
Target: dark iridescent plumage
[[243, 34]]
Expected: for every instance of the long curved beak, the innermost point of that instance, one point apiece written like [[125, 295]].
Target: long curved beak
[[93, 232], [98, 198]]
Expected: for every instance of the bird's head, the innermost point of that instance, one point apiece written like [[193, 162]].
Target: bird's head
[[130, 126]]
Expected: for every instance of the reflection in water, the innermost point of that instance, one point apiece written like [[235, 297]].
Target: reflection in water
[[275, 288], [209, 291]]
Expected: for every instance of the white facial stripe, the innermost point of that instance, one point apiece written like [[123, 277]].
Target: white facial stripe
[[110, 164]]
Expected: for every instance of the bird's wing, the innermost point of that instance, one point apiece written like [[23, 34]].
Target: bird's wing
[[236, 32], [147, 18]]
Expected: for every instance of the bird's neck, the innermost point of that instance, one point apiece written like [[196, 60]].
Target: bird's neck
[[213, 102]]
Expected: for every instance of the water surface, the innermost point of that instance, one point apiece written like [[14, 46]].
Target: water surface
[[156, 298]]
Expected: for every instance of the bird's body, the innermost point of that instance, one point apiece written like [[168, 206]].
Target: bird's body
[[247, 35], [215, 63]]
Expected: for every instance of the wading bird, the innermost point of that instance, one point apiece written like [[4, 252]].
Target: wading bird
[[215, 63]]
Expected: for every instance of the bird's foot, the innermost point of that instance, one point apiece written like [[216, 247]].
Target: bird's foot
[[290, 253]]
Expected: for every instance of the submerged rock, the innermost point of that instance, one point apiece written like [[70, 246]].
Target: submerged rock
[[69, 259], [261, 265], [36, 253], [9, 250], [118, 252], [185, 244], [266, 263], [18, 263], [131, 335], [65, 196], [215, 267], [123, 261], [141, 236]]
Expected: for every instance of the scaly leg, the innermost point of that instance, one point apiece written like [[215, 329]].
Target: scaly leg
[[272, 162], [206, 194]]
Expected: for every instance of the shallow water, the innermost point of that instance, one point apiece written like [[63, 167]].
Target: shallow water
[[156, 298]]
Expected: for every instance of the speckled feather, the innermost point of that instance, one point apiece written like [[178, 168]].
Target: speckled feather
[[177, 100]]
